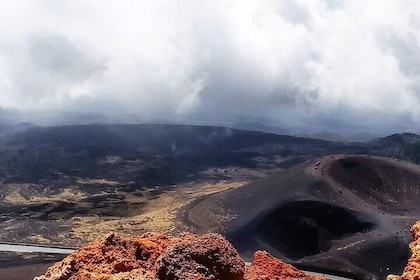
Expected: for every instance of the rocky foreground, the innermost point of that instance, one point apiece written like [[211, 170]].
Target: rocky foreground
[[153, 256], [412, 270]]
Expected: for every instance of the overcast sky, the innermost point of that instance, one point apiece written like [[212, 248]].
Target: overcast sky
[[312, 62]]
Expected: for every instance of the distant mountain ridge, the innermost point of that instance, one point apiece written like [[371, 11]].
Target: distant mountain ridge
[[161, 150], [406, 145]]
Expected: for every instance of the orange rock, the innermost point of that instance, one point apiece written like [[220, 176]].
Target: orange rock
[[267, 267], [159, 257], [412, 270], [107, 257]]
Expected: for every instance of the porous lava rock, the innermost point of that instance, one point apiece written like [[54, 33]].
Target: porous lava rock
[[154, 256], [266, 267], [111, 257], [204, 257], [412, 270]]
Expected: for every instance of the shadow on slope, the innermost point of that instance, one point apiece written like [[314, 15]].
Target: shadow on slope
[[304, 228]]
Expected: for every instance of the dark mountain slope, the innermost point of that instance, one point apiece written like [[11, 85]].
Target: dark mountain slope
[[148, 152]]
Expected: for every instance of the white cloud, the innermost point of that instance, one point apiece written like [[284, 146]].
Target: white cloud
[[218, 58]]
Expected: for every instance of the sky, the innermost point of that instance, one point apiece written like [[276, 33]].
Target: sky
[[320, 64]]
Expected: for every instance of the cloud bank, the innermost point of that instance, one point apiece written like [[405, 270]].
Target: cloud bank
[[325, 63]]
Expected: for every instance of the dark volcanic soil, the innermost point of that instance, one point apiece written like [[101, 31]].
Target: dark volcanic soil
[[347, 214], [388, 185], [304, 228], [69, 184]]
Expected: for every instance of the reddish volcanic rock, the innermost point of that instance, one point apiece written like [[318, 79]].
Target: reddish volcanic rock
[[205, 257], [107, 257], [158, 257], [267, 267], [412, 270]]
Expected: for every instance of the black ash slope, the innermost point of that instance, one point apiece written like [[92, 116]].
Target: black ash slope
[[346, 214]]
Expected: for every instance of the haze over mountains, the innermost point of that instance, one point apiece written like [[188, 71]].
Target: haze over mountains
[[353, 133]]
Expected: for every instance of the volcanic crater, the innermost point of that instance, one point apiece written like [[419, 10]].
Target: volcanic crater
[[304, 228], [343, 214]]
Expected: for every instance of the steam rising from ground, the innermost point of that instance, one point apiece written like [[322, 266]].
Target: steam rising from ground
[[321, 62]]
